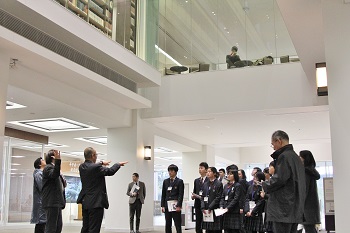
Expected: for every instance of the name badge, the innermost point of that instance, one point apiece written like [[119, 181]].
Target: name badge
[[226, 198], [205, 199], [170, 188], [200, 193]]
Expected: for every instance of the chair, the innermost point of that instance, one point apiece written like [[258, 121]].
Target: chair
[[284, 59], [267, 60], [204, 67]]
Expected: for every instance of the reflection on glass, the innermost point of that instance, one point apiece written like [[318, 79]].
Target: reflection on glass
[[204, 31]]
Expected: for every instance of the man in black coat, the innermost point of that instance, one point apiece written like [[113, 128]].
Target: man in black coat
[[198, 194], [93, 195], [53, 198], [172, 196], [286, 187]]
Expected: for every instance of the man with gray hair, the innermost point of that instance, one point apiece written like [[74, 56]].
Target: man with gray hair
[[93, 195], [286, 187]]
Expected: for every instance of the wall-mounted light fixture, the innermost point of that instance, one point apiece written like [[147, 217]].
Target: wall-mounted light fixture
[[321, 79], [147, 152]]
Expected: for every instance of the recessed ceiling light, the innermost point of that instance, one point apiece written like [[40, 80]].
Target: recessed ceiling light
[[17, 156], [49, 145], [15, 164], [101, 140], [53, 124], [12, 105], [72, 153], [163, 150]]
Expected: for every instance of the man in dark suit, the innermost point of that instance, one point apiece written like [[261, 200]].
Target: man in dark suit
[[198, 193], [93, 195], [53, 198], [172, 196], [137, 194]]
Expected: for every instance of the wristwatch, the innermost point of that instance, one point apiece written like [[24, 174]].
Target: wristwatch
[[101, 162]]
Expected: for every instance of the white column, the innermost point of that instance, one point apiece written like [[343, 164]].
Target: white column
[[336, 16], [126, 144], [4, 78], [191, 161]]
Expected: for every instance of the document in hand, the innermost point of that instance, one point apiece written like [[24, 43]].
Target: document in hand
[[134, 189], [172, 205], [219, 212], [196, 196], [208, 217]]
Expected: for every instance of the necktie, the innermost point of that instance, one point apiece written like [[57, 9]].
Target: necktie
[[202, 180]]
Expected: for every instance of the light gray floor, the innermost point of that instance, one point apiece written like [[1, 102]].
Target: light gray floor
[[76, 229]]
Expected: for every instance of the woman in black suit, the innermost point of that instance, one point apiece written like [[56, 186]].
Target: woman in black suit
[[254, 205], [312, 208], [230, 198], [211, 201]]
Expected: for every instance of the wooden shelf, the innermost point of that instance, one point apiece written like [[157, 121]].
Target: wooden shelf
[[76, 10], [102, 16], [100, 3], [96, 24]]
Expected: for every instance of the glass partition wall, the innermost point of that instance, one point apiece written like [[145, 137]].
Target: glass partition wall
[[17, 181], [194, 32]]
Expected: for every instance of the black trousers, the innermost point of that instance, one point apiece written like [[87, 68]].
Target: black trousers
[[310, 228], [40, 228], [281, 227], [176, 216], [92, 220], [232, 231], [135, 208], [53, 220], [199, 220]]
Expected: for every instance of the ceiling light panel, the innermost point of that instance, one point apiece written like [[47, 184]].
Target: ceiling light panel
[[12, 105], [53, 125], [101, 140]]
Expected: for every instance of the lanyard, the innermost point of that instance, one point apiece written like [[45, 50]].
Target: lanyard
[[229, 188]]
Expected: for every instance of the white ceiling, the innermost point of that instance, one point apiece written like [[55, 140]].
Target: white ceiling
[[240, 129]]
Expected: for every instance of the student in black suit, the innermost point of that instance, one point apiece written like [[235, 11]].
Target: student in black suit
[[211, 201], [93, 195], [230, 201], [53, 198], [198, 193], [173, 190]]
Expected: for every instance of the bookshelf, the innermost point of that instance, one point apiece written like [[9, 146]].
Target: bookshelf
[[98, 13], [126, 24]]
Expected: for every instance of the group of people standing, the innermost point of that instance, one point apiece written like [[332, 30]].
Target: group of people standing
[[277, 199], [49, 192]]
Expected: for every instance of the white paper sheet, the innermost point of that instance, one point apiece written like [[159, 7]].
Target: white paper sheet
[[219, 212], [172, 205], [208, 217]]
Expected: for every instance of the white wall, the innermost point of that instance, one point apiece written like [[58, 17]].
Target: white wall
[[245, 89], [321, 152], [336, 16]]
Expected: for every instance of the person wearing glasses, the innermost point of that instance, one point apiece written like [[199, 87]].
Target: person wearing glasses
[[286, 187], [93, 195]]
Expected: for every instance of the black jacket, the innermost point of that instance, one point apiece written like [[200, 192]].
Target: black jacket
[[38, 213], [53, 186], [176, 193], [198, 186], [312, 207], [94, 193], [212, 190], [286, 187], [234, 193], [253, 194]]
